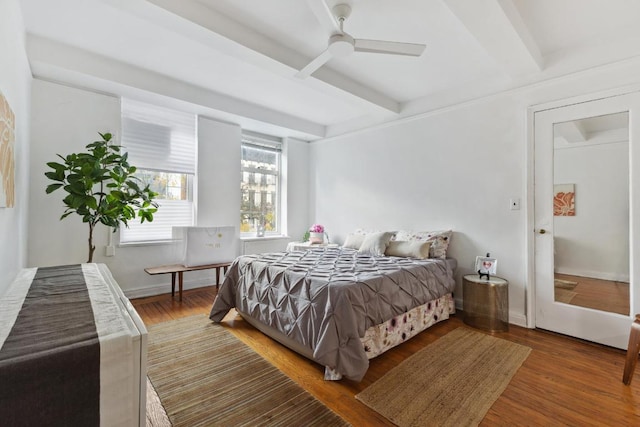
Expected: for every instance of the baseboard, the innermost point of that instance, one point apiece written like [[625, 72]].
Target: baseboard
[[160, 288], [615, 277], [517, 319]]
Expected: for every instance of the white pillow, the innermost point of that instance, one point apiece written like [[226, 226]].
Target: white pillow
[[414, 249], [353, 241], [375, 243], [439, 240]]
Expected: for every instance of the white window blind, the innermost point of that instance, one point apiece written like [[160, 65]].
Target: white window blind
[[261, 141], [162, 144], [158, 138]]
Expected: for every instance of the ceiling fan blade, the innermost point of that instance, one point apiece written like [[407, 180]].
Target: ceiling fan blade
[[312, 66], [393, 48]]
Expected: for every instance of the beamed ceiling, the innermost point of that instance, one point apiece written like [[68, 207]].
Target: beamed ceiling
[[237, 60]]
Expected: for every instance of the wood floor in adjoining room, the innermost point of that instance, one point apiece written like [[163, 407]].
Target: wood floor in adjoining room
[[599, 294], [565, 381]]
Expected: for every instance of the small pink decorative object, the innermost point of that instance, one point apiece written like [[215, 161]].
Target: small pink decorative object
[[317, 228]]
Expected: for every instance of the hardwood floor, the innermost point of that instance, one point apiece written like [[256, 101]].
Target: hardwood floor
[[564, 381], [605, 295]]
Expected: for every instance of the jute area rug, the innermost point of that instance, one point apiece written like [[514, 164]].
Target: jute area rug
[[205, 376], [563, 290], [452, 382], [564, 295], [565, 284]]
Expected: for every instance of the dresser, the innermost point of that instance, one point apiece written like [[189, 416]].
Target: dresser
[[73, 350]]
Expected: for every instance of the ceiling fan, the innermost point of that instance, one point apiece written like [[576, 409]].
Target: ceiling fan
[[342, 44]]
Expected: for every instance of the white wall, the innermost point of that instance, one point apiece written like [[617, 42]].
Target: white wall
[[295, 185], [218, 173], [65, 119], [595, 242], [15, 85], [453, 168]]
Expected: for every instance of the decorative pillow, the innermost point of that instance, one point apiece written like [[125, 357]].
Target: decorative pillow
[[375, 243], [409, 249], [353, 241], [355, 238], [439, 240]]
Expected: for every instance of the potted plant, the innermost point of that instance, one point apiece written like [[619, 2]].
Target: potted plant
[[316, 233], [101, 187]]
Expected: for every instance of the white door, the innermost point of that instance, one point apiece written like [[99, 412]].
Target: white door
[[585, 160]]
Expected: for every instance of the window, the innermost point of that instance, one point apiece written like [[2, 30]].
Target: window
[[260, 185], [162, 144]]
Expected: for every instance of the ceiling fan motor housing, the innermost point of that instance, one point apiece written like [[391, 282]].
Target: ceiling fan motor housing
[[341, 45]]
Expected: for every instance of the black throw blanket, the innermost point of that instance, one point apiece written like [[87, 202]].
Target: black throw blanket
[[50, 362]]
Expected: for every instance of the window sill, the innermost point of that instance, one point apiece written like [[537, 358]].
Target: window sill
[[170, 242], [146, 243]]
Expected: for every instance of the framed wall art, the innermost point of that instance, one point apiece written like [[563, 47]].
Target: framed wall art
[[7, 160], [564, 200]]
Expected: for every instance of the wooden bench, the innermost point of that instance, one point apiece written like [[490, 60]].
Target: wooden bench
[[180, 269]]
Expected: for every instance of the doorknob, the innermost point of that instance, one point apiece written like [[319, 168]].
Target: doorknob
[[542, 231]]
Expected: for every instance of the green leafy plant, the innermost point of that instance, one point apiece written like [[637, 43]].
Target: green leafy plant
[[101, 187]]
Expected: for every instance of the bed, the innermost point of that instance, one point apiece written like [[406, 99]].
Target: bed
[[338, 306]]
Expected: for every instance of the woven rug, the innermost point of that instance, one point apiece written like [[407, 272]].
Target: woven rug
[[452, 382], [564, 295], [205, 376], [564, 284]]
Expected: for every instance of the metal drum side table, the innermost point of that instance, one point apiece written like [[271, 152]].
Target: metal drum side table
[[486, 303]]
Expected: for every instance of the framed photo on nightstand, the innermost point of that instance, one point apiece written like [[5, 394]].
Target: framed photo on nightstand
[[486, 265]]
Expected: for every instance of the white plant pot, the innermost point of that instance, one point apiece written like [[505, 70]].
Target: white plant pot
[[316, 237]]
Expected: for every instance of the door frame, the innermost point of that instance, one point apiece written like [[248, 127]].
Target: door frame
[[530, 286]]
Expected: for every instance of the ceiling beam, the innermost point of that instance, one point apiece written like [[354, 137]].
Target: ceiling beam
[[66, 64], [222, 33], [323, 13], [500, 30]]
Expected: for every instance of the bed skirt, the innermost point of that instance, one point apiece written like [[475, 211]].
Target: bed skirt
[[378, 338]]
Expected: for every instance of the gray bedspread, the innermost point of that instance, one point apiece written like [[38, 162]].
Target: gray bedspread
[[325, 299]]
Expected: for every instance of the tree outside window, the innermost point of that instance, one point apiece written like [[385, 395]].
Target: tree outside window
[[260, 187]]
